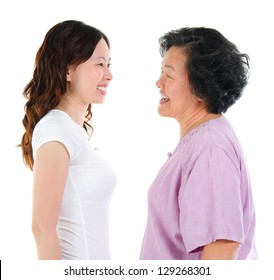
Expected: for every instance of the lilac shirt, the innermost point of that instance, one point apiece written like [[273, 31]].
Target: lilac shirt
[[201, 194]]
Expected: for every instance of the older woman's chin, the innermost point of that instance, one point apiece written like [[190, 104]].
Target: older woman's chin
[[163, 113]]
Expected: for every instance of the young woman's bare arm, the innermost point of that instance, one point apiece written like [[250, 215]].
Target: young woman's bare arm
[[50, 175]]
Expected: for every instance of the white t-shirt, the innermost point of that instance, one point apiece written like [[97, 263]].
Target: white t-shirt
[[82, 225]]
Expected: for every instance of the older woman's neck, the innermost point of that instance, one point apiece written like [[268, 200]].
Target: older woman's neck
[[196, 119]]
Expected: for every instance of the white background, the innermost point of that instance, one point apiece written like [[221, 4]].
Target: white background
[[128, 130]]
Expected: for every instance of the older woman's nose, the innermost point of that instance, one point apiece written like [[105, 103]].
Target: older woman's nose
[[158, 83]]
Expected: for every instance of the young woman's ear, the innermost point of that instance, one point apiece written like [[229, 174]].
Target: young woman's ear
[[69, 74]]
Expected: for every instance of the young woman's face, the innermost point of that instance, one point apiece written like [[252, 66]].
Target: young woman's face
[[88, 82], [177, 99]]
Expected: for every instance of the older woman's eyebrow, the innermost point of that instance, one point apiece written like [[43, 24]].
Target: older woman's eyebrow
[[169, 67]]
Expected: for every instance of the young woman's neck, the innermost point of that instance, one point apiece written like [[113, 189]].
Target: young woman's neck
[[73, 108]]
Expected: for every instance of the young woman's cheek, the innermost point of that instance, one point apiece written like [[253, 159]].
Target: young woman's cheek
[[98, 74]]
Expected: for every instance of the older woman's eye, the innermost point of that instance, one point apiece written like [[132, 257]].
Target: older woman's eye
[[164, 74], [167, 75]]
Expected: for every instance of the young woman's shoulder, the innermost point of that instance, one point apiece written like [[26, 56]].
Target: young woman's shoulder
[[57, 126]]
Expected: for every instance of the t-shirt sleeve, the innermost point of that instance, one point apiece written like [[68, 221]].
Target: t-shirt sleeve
[[210, 203], [52, 130]]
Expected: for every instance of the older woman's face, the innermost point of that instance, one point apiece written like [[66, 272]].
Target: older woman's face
[[177, 99]]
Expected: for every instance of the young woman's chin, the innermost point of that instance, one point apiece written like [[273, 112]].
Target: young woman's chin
[[100, 100]]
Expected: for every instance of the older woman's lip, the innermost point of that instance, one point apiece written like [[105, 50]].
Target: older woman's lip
[[164, 99]]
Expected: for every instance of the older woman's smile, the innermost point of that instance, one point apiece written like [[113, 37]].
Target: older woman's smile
[[164, 99]]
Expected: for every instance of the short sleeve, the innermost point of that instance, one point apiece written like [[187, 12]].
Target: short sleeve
[[54, 130], [210, 202]]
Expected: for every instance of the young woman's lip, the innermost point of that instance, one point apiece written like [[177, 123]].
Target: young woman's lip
[[101, 87]]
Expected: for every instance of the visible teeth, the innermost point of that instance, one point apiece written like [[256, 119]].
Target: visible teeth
[[101, 88]]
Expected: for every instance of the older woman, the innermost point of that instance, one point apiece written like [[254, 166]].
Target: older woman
[[200, 204]]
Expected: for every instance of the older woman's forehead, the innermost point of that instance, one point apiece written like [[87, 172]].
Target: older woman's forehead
[[174, 59]]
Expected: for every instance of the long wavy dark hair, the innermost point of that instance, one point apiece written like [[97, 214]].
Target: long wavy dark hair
[[217, 71], [68, 43]]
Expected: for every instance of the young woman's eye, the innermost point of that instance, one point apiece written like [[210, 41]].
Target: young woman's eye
[[102, 64]]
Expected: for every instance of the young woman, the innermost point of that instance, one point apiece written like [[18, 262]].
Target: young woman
[[72, 184]]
